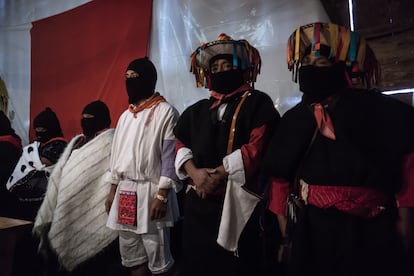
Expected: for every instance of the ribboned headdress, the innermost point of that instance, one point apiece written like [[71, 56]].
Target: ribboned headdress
[[345, 46], [245, 57]]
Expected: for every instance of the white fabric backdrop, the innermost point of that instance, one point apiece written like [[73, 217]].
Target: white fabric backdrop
[[178, 27], [15, 24]]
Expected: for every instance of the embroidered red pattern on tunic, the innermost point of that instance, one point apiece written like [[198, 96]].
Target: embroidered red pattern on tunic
[[127, 209]]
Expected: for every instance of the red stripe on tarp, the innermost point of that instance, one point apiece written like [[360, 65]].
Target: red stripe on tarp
[[81, 55]]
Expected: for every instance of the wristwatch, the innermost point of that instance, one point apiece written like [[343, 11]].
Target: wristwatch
[[161, 198]]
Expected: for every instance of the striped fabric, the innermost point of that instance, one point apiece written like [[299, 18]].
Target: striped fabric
[[359, 201], [346, 46], [72, 216]]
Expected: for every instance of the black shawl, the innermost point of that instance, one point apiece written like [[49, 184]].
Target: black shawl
[[373, 135]]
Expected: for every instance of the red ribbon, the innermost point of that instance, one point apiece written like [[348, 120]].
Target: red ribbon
[[324, 121]]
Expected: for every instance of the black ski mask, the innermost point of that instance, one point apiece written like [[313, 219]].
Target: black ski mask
[[227, 81], [318, 83], [141, 87], [100, 121], [48, 120]]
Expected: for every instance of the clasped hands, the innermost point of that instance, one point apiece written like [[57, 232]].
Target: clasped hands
[[208, 181]]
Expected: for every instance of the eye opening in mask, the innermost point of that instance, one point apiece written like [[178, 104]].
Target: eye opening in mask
[[40, 129], [131, 74], [87, 116], [221, 65], [320, 61]]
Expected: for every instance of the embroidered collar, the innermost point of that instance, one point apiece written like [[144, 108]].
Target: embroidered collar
[[148, 103]]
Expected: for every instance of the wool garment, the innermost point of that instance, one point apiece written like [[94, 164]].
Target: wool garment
[[72, 216]]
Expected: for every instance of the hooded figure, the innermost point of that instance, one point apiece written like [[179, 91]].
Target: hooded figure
[[142, 203], [95, 117], [72, 217], [47, 126], [342, 153], [141, 86], [30, 176]]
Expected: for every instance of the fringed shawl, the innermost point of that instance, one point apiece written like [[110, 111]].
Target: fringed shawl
[[72, 216]]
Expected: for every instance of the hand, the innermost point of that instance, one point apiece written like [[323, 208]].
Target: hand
[[158, 209], [110, 198], [219, 173], [282, 220], [202, 179], [405, 227], [220, 180], [46, 161], [204, 182]]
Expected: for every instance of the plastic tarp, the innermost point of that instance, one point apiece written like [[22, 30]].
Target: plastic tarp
[[81, 55], [178, 27]]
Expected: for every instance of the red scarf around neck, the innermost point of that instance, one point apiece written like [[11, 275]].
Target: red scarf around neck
[[323, 119], [148, 103], [222, 97]]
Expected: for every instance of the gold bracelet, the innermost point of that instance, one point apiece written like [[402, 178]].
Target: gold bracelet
[[161, 198]]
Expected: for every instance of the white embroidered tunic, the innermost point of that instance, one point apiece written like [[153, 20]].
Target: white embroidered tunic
[[142, 161]]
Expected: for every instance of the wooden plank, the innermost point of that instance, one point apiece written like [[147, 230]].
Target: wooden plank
[[396, 56], [6, 223]]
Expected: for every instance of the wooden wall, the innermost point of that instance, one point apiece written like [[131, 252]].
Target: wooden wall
[[388, 26], [395, 53]]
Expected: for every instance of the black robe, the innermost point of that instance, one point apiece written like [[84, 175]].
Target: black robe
[[374, 133], [199, 130]]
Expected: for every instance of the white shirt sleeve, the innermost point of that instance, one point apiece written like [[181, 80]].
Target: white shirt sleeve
[[183, 154]]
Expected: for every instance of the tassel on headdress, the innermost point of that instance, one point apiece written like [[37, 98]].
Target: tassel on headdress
[[241, 50], [345, 46]]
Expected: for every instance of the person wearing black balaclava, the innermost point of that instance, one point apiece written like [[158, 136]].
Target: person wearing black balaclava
[[348, 154], [49, 133], [47, 126], [30, 176], [221, 142], [74, 202], [321, 77], [95, 118], [142, 204], [29, 182], [141, 82]]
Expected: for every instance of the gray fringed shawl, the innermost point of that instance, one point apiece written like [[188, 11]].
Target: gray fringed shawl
[[72, 215]]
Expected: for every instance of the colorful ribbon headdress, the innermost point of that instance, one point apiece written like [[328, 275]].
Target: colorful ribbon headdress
[[345, 46], [241, 50]]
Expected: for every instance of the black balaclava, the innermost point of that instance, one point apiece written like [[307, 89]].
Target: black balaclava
[[48, 120], [143, 86], [318, 83], [227, 81], [100, 121]]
